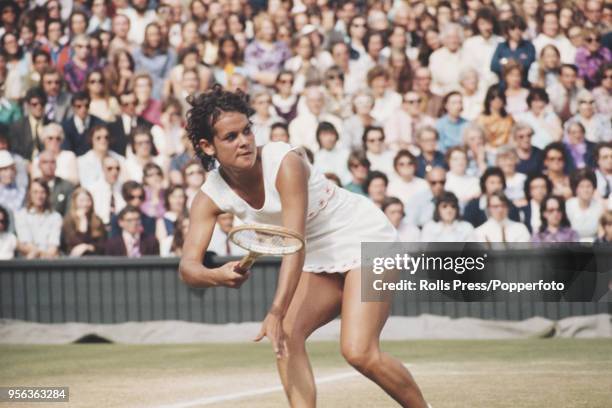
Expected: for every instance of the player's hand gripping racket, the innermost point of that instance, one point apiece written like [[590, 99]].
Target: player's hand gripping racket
[[264, 239]]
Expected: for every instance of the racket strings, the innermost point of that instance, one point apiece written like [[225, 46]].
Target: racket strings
[[265, 242]]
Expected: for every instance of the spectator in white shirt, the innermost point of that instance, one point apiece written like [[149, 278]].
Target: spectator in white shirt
[[263, 118], [499, 228], [375, 187], [446, 63], [507, 159], [90, 164], [550, 35], [106, 192], [478, 50], [584, 209], [380, 157], [220, 242], [331, 157], [472, 92], [457, 181], [394, 210], [52, 138], [401, 127], [386, 100], [446, 225], [363, 102], [405, 185], [302, 129]]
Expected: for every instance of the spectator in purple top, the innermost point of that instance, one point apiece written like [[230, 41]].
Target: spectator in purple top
[[555, 225], [590, 57], [264, 57], [76, 70]]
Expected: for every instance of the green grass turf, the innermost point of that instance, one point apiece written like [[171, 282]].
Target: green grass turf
[[452, 373]]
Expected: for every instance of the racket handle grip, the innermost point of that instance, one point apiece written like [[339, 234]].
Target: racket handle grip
[[248, 260]]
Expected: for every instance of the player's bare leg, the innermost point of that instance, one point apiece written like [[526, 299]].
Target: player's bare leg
[[361, 325], [316, 301]]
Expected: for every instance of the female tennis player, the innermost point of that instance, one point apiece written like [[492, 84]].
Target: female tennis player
[[275, 185]]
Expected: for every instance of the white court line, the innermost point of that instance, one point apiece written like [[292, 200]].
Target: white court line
[[259, 391]]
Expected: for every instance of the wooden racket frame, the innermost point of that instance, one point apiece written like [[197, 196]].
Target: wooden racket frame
[[248, 260]]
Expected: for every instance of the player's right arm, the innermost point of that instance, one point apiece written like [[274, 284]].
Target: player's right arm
[[203, 216]]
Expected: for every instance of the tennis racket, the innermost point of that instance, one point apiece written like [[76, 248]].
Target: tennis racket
[[264, 239]]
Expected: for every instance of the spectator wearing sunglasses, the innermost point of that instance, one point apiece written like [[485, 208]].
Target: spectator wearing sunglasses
[[591, 57], [555, 225], [78, 126], [133, 194], [82, 62], [596, 125], [26, 133], [126, 122], [90, 164]]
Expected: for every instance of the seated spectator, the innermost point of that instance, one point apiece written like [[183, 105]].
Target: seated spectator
[[394, 210], [10, 111], [172, 245], [585, 208], [516, 95], [78, 126], [506, 160], [155, 58], [591, 57], [220, 242], [331, 158], [421, 208], [38, 227], [144, 152], [450, 126], [537, 187], [66, 162], [474, 141], [458, 182], [542, 119], [362, 102], [147, 106], [102, 104], [402, 127], [21, 165], [446, 62], [376, 187], [174, 203], [83, 232], [603, 169], [25, 134], [188, 59], [12, 194], [498, 227], [106, 192], [167, 136], [263, 118], [58, 100], [479, 48], [544, 72], [603, 93], [194, 176], [61, 190], [494, 118], [596, 125], [303, 64], [126, 123], [580, 151], [378, 155], [555, 226], [530, 157], [359, 167], [8, 240], [564, 95], [279, 132], [446, 225], [338, 101], [516, 48], [431, 103], [153, 183], [550, 34], [404, 184], [302, 129], [429, 156], [472, 92], [132, 242], [285, 102], [605, 222], [556, 169], [386, 100], [90, 164], [491, 181], [81, 63], [133, 195], [230, 60]]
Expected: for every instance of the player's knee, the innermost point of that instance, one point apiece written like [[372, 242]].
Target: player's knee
[[294, 337], [360, 355]]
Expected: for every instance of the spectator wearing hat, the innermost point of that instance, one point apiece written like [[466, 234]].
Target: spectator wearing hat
[[12, 194]]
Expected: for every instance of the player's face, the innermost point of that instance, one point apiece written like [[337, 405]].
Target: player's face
[[234, 143]]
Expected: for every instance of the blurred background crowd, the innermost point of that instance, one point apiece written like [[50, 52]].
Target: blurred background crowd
[[462, 120]]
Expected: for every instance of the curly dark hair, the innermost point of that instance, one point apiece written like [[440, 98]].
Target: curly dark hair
[[205, 111]]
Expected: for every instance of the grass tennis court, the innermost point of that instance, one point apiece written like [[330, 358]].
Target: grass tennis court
[[451, 373]]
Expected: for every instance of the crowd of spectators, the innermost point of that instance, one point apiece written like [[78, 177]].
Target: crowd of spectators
[[463, 120]]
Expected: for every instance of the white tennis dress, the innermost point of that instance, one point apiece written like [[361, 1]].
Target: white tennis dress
[[337, 220]]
